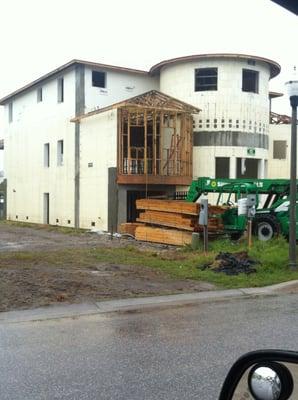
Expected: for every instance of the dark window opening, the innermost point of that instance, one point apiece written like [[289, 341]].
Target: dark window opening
[[205, 79], [222, 167], [46, 153], [250, 81], [247, 168], [39, 95], [10, 112], [46, 208], [60, 152], [99, 79], [60, 90], [280, 149]]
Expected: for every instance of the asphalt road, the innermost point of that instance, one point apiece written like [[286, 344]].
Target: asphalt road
[[181, 353]]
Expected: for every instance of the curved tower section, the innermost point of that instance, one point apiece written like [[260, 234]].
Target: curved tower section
[[232, 90]]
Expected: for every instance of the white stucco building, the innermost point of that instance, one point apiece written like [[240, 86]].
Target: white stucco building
[[87, 139], [233, 93]]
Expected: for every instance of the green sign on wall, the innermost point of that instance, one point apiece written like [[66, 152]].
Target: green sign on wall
[[251, 151]]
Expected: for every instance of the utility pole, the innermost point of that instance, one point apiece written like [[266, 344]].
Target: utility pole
[[292, 87]]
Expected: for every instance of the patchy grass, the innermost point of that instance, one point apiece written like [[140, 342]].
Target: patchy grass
[[50, 228], [180, 264], [184, 264]]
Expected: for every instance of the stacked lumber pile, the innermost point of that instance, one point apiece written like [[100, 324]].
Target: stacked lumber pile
[[173, 221], [173, 206], [160, 235], [129, 228]]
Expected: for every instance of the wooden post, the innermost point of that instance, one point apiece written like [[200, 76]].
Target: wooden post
[[122, 140], [119, 140], [154, 140], [175, 144], [128, 143], [205, 231], [184, 143], [190, 143], [249, 232], [145, 142], [161, 117]]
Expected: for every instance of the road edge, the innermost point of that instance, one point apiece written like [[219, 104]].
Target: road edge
[[142, 303]]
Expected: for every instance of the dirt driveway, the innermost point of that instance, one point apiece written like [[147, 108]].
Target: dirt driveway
[[24, 238], [39, 267]]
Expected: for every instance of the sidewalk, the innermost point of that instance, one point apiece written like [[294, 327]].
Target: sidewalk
[[142, 303]]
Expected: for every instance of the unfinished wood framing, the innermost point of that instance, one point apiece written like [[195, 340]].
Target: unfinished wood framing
[[155, 135]]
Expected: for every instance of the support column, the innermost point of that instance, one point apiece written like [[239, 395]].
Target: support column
[[112, 200], [233, 167], [261, 169], [79, 110]]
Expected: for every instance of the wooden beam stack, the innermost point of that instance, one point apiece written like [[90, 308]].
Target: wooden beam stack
[[173, 221], [129, 228]]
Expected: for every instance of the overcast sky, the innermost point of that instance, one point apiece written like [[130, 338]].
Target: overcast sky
[[39, 35]]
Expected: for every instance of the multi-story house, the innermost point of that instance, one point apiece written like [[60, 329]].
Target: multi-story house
[[86, 140]]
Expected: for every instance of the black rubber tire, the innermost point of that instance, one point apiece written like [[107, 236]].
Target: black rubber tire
[[265, 227], [236, 235]]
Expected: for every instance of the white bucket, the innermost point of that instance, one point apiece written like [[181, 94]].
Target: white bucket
[[242, 207]]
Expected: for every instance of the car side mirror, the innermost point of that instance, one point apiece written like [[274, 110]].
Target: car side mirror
[[263, 375]]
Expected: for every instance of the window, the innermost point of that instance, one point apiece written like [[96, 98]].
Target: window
[[10, 112], [280, 149], [60, 83], [99, 79], [46, 152], [60, 152], [39, 95], [222, 167], [205, 79], [250, 81]]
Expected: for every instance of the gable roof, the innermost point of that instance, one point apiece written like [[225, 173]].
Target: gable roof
[[153, 99], [70, 64]]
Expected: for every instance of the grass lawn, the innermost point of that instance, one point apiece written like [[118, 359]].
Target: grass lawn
[[181, 263]]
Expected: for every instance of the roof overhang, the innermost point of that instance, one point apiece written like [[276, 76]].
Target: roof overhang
[[274, 66], [274, 95]]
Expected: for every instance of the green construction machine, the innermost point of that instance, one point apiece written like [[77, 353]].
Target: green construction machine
[[272, 204]]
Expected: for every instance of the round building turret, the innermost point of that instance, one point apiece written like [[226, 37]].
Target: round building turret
[[231, 132]]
